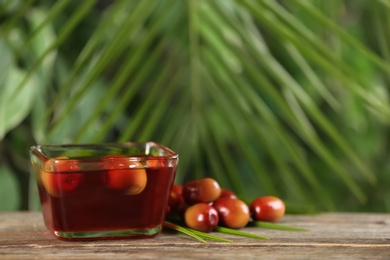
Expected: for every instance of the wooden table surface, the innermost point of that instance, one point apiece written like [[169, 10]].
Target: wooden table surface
[[330, 236]]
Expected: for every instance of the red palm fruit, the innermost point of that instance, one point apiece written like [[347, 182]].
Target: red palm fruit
[[201, 217], [233, 213], [267, 208], [201, 191]]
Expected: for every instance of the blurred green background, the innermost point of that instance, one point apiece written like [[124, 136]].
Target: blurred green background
[[289, 98]]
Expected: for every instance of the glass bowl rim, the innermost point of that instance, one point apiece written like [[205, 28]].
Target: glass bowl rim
[[170, 154]]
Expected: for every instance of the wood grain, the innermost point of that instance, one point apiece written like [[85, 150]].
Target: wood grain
[[330, 236]]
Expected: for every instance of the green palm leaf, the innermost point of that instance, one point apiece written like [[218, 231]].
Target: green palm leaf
[[246, 91]]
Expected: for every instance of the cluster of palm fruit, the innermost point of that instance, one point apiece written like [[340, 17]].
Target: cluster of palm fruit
[[203, 205]]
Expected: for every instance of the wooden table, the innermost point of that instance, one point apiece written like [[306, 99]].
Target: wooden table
[[330, 236]]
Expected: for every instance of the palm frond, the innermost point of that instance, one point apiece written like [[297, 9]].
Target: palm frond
[[245, 91]]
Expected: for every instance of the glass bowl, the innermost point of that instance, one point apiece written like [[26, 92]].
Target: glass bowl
[[102, 191]]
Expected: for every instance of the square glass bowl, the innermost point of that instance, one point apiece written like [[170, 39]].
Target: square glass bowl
[[102, 191]]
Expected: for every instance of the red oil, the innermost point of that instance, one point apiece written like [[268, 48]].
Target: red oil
[[85, 201]]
